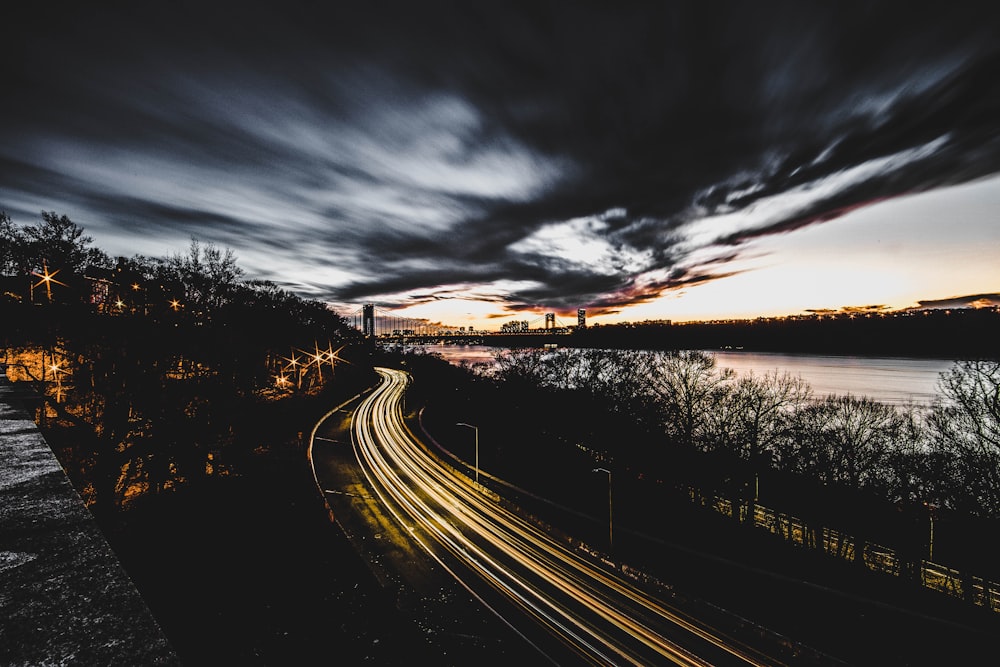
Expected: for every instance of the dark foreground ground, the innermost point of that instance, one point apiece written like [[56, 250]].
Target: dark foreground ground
[[250, 570]]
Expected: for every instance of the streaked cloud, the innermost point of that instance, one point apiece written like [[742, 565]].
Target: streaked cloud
[[543, 156]]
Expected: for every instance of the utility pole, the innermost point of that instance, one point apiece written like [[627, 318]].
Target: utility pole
[[611, 542], [476, 429]]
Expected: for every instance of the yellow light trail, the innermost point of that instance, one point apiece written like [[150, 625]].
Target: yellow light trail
[[594, 610]]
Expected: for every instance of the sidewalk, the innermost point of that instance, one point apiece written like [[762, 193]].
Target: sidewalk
[[64, 597]]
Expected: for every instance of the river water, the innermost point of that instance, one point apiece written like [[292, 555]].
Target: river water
[[893, 380]]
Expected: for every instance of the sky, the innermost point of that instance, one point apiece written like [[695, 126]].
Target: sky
[[478, 163]]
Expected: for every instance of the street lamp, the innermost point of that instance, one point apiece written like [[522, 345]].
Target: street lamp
[[611, 542], [476, 429], [56, 372], [46, 279], [293, 361], [930, 538]]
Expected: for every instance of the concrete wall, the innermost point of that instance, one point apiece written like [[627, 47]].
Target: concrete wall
[[64, 597]]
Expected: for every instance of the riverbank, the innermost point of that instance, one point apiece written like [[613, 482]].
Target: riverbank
[[952, 333], [250, 570], [891, 380], [838, 613]]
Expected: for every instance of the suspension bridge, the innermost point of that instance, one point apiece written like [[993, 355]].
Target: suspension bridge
[[376, 322]]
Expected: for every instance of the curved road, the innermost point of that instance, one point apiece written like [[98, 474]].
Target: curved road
[[593, 610]]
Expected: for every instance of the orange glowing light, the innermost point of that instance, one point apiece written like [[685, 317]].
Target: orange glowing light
[[56, 370], [47, 279]]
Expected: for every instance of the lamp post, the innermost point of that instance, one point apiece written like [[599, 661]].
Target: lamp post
[[56, 372], [476, 429], [611, 542], [930, 537], [293, 361], [46, 279]]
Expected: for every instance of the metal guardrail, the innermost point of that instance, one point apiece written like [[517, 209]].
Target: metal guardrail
[[876, 557]]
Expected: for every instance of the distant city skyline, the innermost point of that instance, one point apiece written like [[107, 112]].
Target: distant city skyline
[[474, 165]]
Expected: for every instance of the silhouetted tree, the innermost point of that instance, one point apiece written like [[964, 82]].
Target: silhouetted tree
[[806, 449], [756, 408], [58, 244], [520, 368], [163, 388], [861, 433], [686, 385], [209, 277], [965, 427], [13, 260]]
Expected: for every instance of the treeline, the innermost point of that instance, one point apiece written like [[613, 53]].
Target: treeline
[[946, 455], [163, 372], [53, 262], [667, 423], [944, 333]]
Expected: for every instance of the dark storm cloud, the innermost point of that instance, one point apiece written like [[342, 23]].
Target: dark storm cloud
[[411, 148], [970, 301]]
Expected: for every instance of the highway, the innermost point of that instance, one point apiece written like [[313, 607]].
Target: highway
[[530, 580]]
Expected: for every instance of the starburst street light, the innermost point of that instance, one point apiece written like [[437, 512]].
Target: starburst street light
[[47, 279], [293, 360], [293, 367], [320, 357], [317, 358], [334, 355], [56, 372]]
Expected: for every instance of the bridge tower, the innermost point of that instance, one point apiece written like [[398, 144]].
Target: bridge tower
[[550, 321], [581, 318], [368, 319]]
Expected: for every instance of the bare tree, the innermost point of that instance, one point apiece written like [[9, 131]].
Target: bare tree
[[610, 375], [862, 434], [519, 366], [915, 473], [805, 447], [12, 261], [758, 414], [685, 384], [209, 276], [58, 243], [965, 423]]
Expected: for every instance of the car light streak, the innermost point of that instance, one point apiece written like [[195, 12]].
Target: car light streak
[[590, 608]]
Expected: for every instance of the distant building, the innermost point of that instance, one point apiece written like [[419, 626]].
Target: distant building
[[520, 326], [102, 284], [581, 318]]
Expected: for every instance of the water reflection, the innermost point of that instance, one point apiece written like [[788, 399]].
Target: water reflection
[[892, 380]]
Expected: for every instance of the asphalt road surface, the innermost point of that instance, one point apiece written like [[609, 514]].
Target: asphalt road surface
[[506, 591], [565, 603]]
